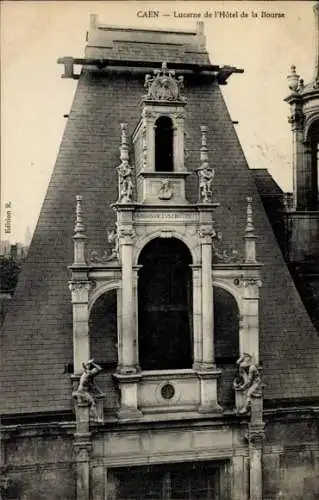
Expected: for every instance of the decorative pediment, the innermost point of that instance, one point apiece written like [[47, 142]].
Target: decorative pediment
[[164, 86]]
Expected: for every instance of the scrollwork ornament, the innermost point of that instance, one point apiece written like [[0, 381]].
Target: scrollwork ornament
[[163, 85], [126, 232]]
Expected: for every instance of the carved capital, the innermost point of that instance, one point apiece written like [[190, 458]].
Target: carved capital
[[126, 232], [255, 435], [79, 290], [83, 451], [207, 233]]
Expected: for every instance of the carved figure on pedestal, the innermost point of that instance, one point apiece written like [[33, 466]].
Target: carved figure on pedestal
[[125, 182], [87, 388], [206, 176], [166, 191], [248, 379]]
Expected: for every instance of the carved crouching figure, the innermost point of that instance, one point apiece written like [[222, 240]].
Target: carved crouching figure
[[87, 387], [248, 380]]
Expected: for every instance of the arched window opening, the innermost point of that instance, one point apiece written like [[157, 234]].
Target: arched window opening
[[165, 306], [226, 338], [313, 138], [164, 145], [103, 329]]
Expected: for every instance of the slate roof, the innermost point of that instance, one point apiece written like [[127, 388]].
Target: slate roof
[[146, 45], [37, 335], [265, 183]]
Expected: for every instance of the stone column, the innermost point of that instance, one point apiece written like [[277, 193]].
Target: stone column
[[81, 341], [178, 141], [128, 336], [135, 319], [249, 324], [255, 436], [207, 301], [207, 371], [271, 475], [197, 317], [240, 483], [82, 449], [127, 376]]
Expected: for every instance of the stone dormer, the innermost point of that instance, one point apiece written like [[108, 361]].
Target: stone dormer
[[159, 139]]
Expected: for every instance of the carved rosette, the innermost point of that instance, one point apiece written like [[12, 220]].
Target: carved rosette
[[164, 86]]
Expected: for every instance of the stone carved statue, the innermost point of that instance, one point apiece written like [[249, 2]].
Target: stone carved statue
[[166, 191], [163, 86], [206, 176], [125, 182], [87, 388], [248, 380]]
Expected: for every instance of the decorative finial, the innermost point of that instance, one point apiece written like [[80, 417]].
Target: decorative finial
[[250, 237], [163, 85], [79, 227], [293, 79], [124, 169], [316, 14], [124, 145], [249, 226], [205, 172], [79, 237]]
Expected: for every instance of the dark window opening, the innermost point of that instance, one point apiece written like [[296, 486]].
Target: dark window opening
[[186, 481], [313, 202], [103, 329], [226, 339], [165, 306], [164, 145]]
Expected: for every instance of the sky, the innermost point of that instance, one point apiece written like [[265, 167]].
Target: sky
[[34, 98]]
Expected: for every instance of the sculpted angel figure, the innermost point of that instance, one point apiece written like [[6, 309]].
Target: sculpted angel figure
[[87, 387], [249, 379]]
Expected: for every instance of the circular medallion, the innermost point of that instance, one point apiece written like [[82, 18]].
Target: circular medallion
[[167, 391]]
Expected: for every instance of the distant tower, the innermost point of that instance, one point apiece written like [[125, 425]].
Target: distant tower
[[302, 218], [304, 120], [27, 237]]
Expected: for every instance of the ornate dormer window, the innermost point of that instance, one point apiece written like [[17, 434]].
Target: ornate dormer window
[[159, 139]]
